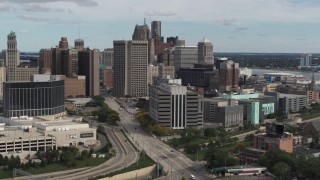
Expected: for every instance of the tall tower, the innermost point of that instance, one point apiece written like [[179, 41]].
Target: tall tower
[[63, 44], [205, 52], [88, 65], [79, 44], [141, 33], [45, 61], [130, 68], [12, 54], [156, 29], [306, 60], [229, 76], [69, 62]]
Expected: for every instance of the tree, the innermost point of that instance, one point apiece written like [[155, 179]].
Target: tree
[[281, 170], [84, 155], [94, 114]]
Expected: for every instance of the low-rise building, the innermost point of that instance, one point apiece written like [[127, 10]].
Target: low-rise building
[[74, 86], [229, 116], [292, 102], [25, 136]]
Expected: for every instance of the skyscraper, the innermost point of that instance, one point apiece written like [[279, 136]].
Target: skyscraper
[[12, 62], [107, 57], [156, 29], [45, 61], [141, 33], [79, 44], [63, 44], [205, 52], [185, 56], [69, 62], [306, 60], [88, 65], [229, 76], [130, 68]]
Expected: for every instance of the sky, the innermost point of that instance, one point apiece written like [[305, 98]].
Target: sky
[[231, 25]]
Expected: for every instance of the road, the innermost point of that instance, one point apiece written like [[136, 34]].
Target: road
[[125, 156], [174, 163]]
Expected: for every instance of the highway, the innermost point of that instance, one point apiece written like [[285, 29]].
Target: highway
[[125, 156], [174, 163]]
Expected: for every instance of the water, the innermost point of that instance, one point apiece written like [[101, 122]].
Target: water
[[260, 72]]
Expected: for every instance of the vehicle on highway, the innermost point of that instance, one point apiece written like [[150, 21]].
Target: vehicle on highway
[[192, 177], [164, 156]]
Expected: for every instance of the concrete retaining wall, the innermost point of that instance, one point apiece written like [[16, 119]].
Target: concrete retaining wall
[[141, 174]]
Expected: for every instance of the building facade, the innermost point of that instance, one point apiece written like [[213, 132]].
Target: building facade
[[12, 62], [229, 116], [130, 68], [205, 52], [174, 106], [88, 66], [185, 56], [2, 80], [292, 102], [33, 98], [69, 62], [45, 61], [74, 86], [107, 57], [229, 76]]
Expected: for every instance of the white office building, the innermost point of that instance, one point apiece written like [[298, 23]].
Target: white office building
[[174, 106]]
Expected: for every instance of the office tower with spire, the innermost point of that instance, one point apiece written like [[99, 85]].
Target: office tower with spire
[[141, 33], [79, 44], [130, 68], [12, 62], [205, 52], [88, 65]]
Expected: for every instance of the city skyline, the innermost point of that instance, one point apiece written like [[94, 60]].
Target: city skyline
[[232, 26]]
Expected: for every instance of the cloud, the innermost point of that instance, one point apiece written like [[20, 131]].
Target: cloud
[[301, 39], [48, 20], [4, 7], [35, 19], [35, 8], [23, 31], [228, 22], [159, 13], [263, 35], [78, 2], [242, 28]]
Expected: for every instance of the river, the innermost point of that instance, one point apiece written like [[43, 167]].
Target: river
[[260, 72]]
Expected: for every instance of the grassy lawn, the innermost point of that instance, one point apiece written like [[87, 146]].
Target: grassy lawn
[[5, 174], [228, 148], [144, 161], [307, 116]]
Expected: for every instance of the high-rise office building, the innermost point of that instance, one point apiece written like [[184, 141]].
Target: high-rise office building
[[185, 56], [56, 61], [79, 44], [306, 60], [141, 33], [63, 44], [3, 78], [88, 65], [45, 61], [205, 52], [69, 62], [107, 57], [156, 29], [229, 76], [12, 62], [172, 105], [130, 68]]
